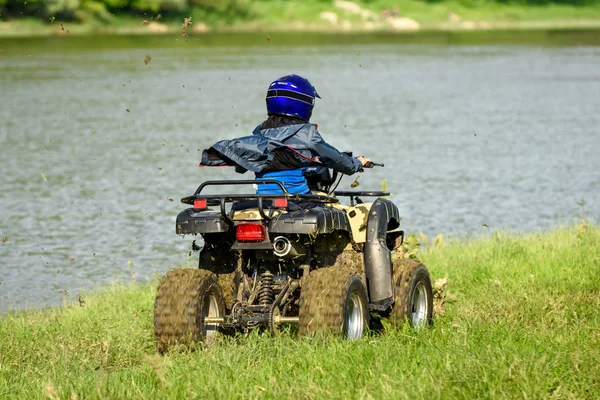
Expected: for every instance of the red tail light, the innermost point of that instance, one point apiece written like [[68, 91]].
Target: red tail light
[[251, 233], [201, 204], [280, 203]]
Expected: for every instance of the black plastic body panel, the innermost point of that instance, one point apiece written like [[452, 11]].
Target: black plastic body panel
[[192, 221], [383, 217], [316, 220]]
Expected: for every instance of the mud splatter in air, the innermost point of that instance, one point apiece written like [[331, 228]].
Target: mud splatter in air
[[186, 22]]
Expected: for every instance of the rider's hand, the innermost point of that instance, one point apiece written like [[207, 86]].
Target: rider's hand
[[363, 160]]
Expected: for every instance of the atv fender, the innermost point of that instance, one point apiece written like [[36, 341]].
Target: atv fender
[[383, 217], [192, 221]]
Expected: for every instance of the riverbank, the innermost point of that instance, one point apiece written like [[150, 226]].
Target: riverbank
[[339, 16], [520, 318]]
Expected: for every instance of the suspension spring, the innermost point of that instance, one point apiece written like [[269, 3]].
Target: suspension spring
[[266, 294]]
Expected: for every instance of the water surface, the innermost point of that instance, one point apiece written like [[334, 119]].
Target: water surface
[[479, 133]]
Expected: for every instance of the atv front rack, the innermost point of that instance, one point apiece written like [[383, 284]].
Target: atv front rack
[[353, 194], [206, 200]]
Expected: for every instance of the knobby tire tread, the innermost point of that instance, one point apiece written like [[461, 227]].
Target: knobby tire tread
[[322, 301], [178, 304], [404, 272]]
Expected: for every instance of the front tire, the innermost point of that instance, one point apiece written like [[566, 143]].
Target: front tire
[[334, 301], [184, 298], [413, 294]]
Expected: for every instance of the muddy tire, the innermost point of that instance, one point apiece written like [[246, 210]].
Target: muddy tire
[[183, 299], [228, 285], [333, 301], [413, 294]]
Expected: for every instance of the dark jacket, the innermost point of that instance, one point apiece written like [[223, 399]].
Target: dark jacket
[[279, 148]]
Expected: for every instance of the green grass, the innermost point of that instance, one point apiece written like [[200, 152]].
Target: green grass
[[523, 322]]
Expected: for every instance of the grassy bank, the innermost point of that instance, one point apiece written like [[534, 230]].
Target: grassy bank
[[523, 322], [320, 16]]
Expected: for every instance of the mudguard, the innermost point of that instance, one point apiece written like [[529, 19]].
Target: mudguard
[[192, 221], [383, 217], [317, 220]]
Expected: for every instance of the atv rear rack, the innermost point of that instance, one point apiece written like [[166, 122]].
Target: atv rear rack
[[223, 199]]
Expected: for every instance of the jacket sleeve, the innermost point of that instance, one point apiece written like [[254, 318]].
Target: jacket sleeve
[[331, 157], [213, 158]]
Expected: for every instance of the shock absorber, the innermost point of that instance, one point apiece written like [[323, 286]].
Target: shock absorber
[[266, 294]]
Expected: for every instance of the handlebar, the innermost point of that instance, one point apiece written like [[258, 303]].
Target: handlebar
[[371, 164]]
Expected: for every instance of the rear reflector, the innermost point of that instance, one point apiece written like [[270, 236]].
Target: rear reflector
[[282, 203], [251, 233], [200, 203]]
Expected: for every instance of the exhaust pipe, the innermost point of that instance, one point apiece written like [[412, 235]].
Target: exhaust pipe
[[283, 248]]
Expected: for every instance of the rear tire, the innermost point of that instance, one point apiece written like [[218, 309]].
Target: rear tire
[[183, 299], [334, 301], [413, 294]]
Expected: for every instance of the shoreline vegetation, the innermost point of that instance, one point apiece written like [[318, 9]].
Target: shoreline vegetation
[[515, 316], [335, 16]]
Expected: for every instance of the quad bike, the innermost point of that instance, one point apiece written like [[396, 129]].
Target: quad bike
[[304, 260]]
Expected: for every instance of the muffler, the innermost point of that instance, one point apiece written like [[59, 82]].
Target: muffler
[[284, 248]]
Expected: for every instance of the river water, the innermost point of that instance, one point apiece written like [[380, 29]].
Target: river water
[[478, 133]]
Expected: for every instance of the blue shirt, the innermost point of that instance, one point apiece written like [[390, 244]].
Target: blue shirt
[[293, 180]]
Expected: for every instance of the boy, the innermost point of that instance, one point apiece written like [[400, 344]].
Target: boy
[[285, 143]]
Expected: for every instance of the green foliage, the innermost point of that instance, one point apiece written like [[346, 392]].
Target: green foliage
[[474, 3], [64, 9], [411, 245], [160, 5], [227, 10], [96, 10], [521, 2], [116, 4], [232, 10], [547, 2]]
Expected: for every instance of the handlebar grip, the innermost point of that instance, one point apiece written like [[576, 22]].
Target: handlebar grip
[[371, 164]]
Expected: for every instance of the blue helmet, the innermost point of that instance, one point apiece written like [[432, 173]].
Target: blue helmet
[[291, 95]]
